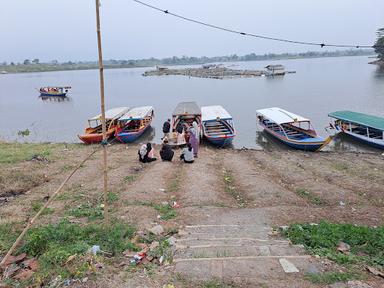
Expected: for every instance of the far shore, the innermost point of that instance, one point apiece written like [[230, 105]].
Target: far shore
[[48, 67]]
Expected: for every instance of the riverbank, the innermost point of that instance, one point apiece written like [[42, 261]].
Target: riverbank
[[174, 61], [251, 190]]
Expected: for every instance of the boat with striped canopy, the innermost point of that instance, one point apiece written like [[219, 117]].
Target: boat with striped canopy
[[291, 129], [218, 126], [56, 91], [365, 128], [134, 123], [93, 133]]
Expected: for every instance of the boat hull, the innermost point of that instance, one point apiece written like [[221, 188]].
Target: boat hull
[[376, 143], [53, 94], [94, 138], [298, 145], [129, 137], [220, 141]]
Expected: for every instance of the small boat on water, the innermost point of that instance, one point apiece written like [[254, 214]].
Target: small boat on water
[[93, 134], [56, 91], [293, 130], [362, 127], [134, 123], [184, 115], [218, 126]]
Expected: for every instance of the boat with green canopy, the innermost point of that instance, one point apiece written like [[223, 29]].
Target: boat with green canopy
[[363, 127]]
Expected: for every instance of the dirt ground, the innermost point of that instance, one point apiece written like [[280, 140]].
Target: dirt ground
[[276, 187]]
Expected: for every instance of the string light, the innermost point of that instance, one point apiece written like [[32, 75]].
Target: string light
[[254, 35]]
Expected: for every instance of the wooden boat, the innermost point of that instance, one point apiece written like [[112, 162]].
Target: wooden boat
[[134, 123], [362, 127], [93, 134], [293, 130], [218, 127], [185, 114], [56, 91]]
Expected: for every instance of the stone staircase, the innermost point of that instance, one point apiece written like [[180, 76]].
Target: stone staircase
[[240, 253]]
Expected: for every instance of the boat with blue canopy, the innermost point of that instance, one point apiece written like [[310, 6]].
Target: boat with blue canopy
[[218, 126], [134, 123], [365, 128], [291, 129]]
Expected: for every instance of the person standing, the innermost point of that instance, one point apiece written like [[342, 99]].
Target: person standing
[[197, 129], [193, 140], [166, 128]]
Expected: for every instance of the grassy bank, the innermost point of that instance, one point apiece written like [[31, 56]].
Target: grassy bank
[[351, 246]]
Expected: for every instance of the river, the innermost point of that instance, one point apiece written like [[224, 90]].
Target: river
[[319, 86]]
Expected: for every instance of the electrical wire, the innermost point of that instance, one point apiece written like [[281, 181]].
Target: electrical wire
[[251, 34]]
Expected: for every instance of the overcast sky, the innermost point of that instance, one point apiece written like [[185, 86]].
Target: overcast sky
[[65, 29]]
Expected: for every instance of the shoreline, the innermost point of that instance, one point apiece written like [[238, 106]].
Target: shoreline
[[36, 68], [253, 190]]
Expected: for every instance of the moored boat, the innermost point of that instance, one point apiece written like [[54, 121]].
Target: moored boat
[[183, 117], [218, 126], [93, 134], [365, 128], [56, 91], [293, 130], [134, 123]]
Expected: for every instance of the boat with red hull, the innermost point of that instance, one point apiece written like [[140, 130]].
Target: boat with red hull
[[93, 133]]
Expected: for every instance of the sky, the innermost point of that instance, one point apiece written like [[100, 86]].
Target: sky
[[65, 29]]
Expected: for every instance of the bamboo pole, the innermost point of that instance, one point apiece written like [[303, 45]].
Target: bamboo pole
[[51, 198], [104, 128]]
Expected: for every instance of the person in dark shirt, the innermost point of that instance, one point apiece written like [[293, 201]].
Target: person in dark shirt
[[166, 152], [166, 127]]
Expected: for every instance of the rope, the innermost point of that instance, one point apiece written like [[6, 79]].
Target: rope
[[229, 30]]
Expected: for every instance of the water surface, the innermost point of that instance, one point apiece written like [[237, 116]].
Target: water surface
[[320, 86]]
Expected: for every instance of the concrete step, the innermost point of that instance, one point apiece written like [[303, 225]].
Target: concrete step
[[222, 241], [259, 267], [230, 250], [222, 231]]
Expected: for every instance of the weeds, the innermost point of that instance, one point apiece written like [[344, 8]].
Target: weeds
[[130, 179], [215, 284], [11, 153], [36, 206], [54, 244], [304, 193], [367, 243], [92, 212], [175, 183], [166, 211], [230, 188], [331, 277]]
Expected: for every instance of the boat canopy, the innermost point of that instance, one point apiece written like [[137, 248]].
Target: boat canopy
[[211, 113], [281, 116], [112, 114], [185, 108], [137, 113], [359, 118]]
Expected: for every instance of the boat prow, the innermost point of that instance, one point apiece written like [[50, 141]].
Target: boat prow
[[218, 126], [291, 129], [93, 133], [134, 123], [368, 129]]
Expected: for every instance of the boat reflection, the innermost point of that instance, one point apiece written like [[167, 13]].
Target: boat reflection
[[269, 143], [55, 98]]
